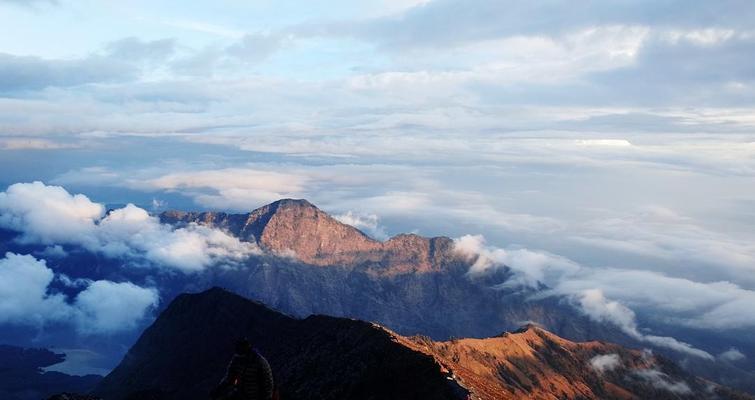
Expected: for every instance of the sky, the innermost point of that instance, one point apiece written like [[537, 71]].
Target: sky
[[614, 140]]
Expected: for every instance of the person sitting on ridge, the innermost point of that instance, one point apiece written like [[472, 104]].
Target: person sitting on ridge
[[249, 376]]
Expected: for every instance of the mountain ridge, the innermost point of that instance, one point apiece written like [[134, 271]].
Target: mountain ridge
[[328, 357], [297, 228], [413, 284]]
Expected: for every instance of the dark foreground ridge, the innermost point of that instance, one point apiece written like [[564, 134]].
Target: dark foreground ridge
[[184, 354]]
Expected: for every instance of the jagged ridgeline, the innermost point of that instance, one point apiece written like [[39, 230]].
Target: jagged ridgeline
[[184, 354], [315, 264], [410, 283]]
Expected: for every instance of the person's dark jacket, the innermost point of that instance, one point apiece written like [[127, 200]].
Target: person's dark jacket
[[249, 377]]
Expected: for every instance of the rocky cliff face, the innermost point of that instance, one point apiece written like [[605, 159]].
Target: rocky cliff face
[[184, 354], [299, 229]]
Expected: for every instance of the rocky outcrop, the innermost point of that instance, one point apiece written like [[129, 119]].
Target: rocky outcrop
[[298, 229], [533, 363], [184, 354]]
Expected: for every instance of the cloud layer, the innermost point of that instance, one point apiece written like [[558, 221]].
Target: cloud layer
[[50, 215], [102, 307], [606, 294]]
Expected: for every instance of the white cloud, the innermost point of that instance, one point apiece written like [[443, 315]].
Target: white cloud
[[369, 223], [701, 305], [662, 381], [231, 188], [55, 251], [50, 215], [732, 355], [24, 298], [709, 305], [106, 306], [664, 234], [530, 268], [103, 307], [605, 362], [595, 305]]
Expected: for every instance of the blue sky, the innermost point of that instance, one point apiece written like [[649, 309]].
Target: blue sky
[[618, 134]]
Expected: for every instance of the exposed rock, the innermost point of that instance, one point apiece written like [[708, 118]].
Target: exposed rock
[[533, 363], [297, 228], [184, 354]]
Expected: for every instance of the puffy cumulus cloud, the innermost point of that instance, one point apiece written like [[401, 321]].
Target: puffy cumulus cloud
[[596, 306], [732, 355], [24, 298], [106, 307], [369, 223], [531, 269], [103, 307], [605, 362], [50, 215], [132, 231], [662, 381]]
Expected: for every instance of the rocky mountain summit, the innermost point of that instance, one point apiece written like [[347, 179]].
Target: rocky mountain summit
[[184, 354], [315, 264], [299, 229]]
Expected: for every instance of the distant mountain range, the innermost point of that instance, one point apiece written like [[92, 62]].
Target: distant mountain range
[[312, 264], [412, 284], [184, 354]]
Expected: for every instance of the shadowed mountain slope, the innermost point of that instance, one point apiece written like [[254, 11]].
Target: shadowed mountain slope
[[412, 284], [184, 354]]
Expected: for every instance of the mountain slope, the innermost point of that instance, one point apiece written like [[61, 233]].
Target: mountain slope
[[533, 363], [414, 285], [184, 353], [298, 228]]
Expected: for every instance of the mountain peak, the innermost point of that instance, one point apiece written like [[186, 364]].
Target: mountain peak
[[292, 203], [328, 357], [297, 228]]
